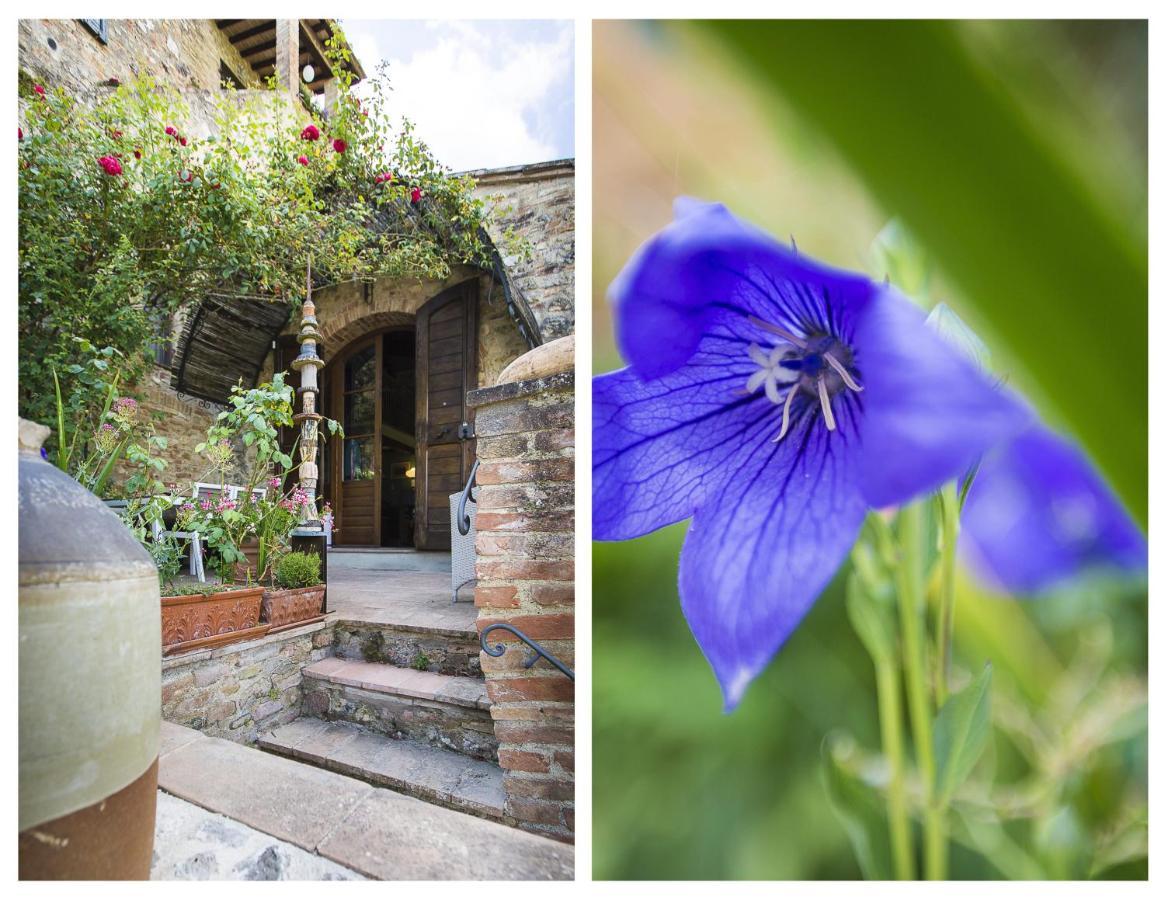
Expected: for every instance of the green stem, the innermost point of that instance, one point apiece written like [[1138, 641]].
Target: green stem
[[911, 612], [949, 502], [890, 719]]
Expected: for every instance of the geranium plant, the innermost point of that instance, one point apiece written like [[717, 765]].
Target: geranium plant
[[263, 509]]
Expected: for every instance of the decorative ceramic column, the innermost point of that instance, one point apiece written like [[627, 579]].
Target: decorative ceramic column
[[307, 364]]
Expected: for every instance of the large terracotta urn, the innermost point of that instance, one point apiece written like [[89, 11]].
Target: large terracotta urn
[[90, 681]]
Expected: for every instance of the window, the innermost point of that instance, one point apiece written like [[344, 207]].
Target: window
[[99, 27]]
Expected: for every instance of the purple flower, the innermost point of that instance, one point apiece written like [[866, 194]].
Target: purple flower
[[1038, 514], [775, 401]]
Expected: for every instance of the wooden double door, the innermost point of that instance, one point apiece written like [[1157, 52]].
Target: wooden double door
[[400, 395]]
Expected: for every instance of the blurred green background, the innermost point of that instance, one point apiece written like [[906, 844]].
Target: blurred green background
[[1018, 158]]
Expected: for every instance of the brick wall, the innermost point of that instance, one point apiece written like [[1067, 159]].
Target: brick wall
[[538, 203], [184, 53], [525, 569]]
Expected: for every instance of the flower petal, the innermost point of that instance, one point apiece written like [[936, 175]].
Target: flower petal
[[1038, 514], [929, 412], [707, 266], [756, 558], [662, 446]]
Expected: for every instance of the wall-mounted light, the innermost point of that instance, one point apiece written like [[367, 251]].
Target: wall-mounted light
[[309, 74], [411, 472]]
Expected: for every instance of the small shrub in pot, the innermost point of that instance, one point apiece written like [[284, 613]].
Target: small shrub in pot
[[298, 570]]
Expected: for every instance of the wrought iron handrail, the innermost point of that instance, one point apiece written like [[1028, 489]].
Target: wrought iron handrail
[[539, 651], [463, 523]]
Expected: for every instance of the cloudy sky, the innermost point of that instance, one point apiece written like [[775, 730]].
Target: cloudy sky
[[481, 93]]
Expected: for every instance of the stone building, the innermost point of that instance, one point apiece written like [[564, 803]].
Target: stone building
[[412, 367], [389, 478]]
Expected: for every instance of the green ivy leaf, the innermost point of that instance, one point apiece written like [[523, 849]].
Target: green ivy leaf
[[960, 734]]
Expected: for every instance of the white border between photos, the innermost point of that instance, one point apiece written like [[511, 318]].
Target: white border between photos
[[583, 13]]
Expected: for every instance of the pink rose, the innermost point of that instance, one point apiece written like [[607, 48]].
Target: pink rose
[[110, 165], [302, 160], [310, 133], [171, 131], [38, 90], [417, 194], [384, 178]]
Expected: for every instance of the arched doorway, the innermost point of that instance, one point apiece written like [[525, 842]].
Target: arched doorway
[[399, 391]]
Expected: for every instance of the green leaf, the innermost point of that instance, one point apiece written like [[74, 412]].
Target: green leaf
[[872, 619], [860, 809], [960, 733]]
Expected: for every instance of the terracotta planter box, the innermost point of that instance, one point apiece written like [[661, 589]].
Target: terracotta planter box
[[197, 621], [293, 606]]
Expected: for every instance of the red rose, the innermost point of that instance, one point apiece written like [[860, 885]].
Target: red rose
[[182, 141], [310, 133], [137, 154], [20, 132], [38, 89], [110, 165], [417, 194], [171, 131], [116, 133], [339, 146], [384, 178], [302, 160], [186, 176]]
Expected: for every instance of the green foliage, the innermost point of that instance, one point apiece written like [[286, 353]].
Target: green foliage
[[298, 569], [421, 662], [860, 808], [106, 257], [960, 733]]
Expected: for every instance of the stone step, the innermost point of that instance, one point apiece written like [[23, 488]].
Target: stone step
[[436, 776], [442, 649], [444, 711], [373, 831]]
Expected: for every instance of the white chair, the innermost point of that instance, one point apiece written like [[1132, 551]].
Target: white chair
[[196, 567], [463, 546]]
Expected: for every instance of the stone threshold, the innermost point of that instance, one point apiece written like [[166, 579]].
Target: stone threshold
[[382, 678], [373, 831], [428, 773]]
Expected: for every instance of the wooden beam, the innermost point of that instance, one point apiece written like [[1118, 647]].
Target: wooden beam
[[321, 64], [264, 47], [253, 31]]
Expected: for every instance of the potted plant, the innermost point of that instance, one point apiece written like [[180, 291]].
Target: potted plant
[[298, 595], [194, 615]]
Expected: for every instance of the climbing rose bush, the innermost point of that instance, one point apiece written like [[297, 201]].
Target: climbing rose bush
[[131, 208]]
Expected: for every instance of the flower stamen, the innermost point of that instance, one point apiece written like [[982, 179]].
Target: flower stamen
[[785, 416], [826, 409], [842, 372], [777, 329]]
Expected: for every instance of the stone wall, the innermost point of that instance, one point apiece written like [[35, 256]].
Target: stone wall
[[183, 53], [538, 202], [240, 690], [525, 569]]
